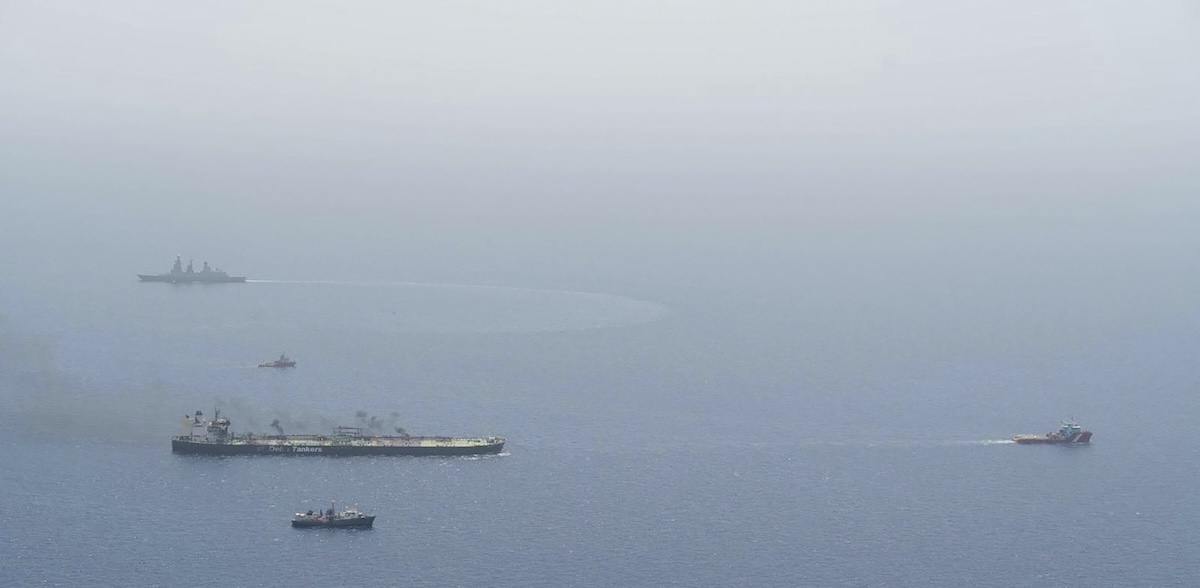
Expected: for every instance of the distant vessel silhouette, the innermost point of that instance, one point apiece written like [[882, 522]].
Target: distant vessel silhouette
[[179, 275], [332, 517], [1070, 432], [282, 362]]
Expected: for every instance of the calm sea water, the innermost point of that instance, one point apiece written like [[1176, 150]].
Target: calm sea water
[[711, 433]]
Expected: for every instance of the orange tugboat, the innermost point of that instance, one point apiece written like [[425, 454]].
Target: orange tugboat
[[1070, 432], [282, 362]]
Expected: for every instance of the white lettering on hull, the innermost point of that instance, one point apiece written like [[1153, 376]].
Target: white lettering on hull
[[276, 449]]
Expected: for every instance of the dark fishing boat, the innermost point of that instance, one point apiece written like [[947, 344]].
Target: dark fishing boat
[[331, 517]]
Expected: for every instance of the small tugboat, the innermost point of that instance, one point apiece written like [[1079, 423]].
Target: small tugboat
[[350, 517], [282, 362], [1070, 432]]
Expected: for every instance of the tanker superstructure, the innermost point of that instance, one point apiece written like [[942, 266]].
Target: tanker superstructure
[[179, 275], [213, 437]]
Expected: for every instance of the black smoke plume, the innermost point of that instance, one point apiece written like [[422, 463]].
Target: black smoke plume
[[379, 424]]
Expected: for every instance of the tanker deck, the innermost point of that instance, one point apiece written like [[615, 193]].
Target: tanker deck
[[212, 437]]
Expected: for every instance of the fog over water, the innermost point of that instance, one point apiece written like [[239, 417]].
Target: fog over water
[[658, 245], [541, 140], [856, 162]]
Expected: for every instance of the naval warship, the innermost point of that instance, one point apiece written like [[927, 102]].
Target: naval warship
[[213, 437], [178, 275]]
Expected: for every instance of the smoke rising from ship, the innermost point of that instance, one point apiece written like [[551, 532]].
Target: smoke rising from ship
[[377, 424], [371, 424]]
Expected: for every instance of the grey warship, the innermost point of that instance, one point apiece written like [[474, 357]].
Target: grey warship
[[179, 275], [213, 437]]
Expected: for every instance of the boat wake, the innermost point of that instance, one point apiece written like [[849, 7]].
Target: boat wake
[[939, 443], [327, 282], [445, 307], [878, 444]]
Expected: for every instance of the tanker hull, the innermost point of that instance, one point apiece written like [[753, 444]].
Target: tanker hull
[[451, 447]]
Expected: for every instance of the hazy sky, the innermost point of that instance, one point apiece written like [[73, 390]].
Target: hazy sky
[[532, 120]]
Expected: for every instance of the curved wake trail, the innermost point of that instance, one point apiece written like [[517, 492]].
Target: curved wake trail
[[458, 286], [563, 309], [866, 443]]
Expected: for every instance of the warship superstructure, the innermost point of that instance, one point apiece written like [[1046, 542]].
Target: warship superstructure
[[179, 275], [213, 437]]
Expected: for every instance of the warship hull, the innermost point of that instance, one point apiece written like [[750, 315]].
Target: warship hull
[[178, 275], [190, 279], [415, 446]]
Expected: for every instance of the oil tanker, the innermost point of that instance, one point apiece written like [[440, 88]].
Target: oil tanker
[[213, 437]]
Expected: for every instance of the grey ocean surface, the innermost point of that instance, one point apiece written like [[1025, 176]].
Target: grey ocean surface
[[716, 436]]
